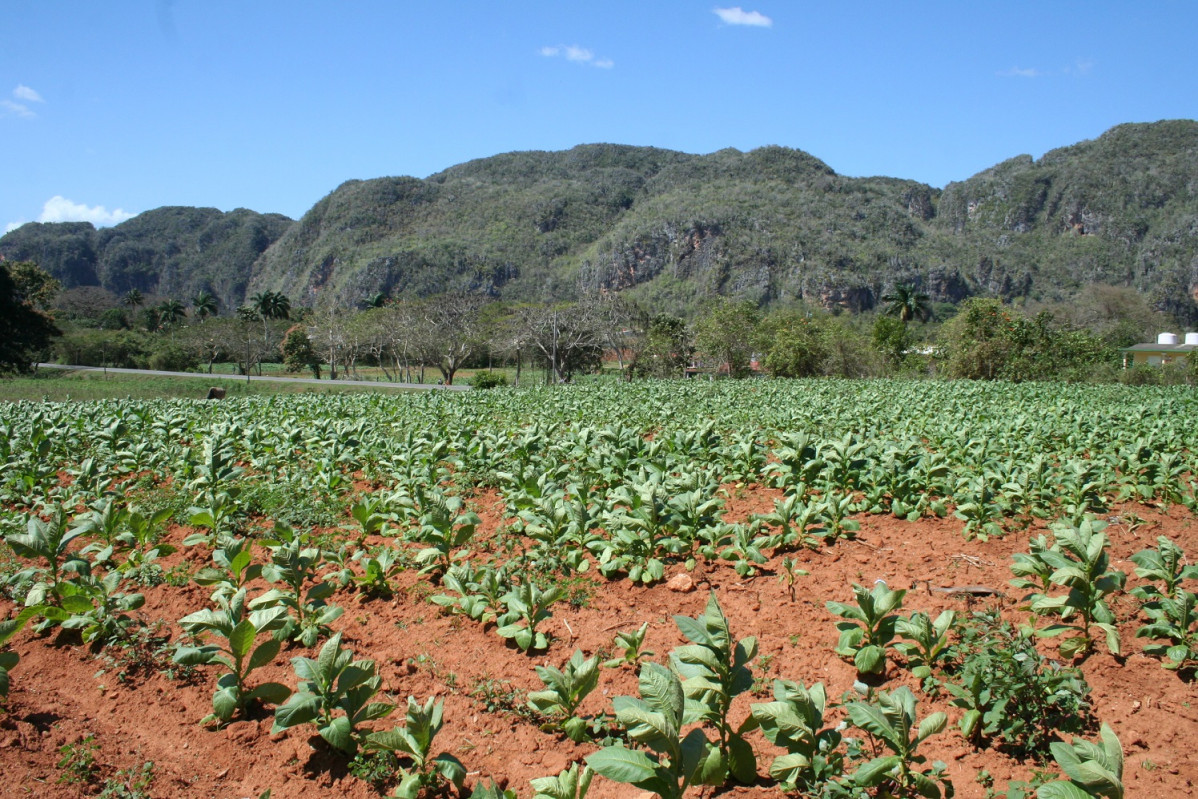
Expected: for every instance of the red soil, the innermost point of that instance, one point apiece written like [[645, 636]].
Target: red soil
[[61, 692]]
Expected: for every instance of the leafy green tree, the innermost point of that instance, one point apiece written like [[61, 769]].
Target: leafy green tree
[[907, 303], [25, 332], [298, 353], [35, 286], [794, 345], [978, 340], [666, 349], [726, 335], [892, 338]]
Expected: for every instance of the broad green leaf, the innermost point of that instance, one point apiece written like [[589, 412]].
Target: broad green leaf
[[1062, 790], [622, 765]]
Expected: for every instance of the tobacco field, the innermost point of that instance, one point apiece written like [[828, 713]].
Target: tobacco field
[[813, 588]]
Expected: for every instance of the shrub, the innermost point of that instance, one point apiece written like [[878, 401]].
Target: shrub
[[488, 379]]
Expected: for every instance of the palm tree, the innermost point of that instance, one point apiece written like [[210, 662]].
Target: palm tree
[[907, 303], [133, 299], [170, 312], [271, 305], [204, 304]]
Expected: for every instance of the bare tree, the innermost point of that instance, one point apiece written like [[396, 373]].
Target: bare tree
[[454, 332], [329, 338], [566, 336]]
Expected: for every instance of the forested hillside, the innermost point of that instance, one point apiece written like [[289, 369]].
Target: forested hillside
[[169, 252], [773, 225]]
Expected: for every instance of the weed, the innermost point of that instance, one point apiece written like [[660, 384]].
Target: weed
[[130, 783], [78, 762]]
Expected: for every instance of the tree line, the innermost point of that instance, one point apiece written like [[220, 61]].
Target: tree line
[[406, 340]]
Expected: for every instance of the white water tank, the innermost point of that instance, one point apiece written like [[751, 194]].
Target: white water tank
[[1167, 339], [1192, 339]]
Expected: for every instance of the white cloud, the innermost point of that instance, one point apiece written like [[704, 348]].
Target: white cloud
[[1020, 72], [23, 92], [576, 53], [60, 209], [579, 55], [738, 16], [10, 109]]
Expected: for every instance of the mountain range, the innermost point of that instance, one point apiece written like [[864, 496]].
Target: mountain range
[[772, 225]]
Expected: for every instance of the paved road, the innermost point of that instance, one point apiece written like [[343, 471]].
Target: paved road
[[266, 378]]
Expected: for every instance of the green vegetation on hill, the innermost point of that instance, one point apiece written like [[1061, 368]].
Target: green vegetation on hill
[[168, 252], [773, 226]]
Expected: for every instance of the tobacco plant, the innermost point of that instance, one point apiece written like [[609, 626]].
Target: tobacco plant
[[429, 773], [655, 721], [1094, 769], [378, 567], [480, 591], [334, 693], [1174, 620], [573, 783], [295, 566], [631, 642], [1166, 565], [715, 670], [1081, 565], [526, 606], [564, 692], [928, 642], [795, 722], [233, 568], [445, 528], [97, 608], [869, 626], [892, 723], [47, 541], [237, 653]]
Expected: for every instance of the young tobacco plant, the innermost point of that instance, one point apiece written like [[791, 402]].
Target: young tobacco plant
[[1173, 619], [295, 566], [479, 591], [237, 653], [445, 528], [892, 723], [47, 541], [526, 606], [1166, 565], [234, 568], [9, 660], [631, 643], [655, 721], [429, 773], [869, 626], [715, 670], [1094, 769], [564, 692], [378, 568], [97, 608], [334, 693], [795, 722], [1080, 564], [573, 783], [929, 641]]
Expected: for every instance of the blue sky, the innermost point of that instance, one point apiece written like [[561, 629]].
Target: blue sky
[[108, 109]]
